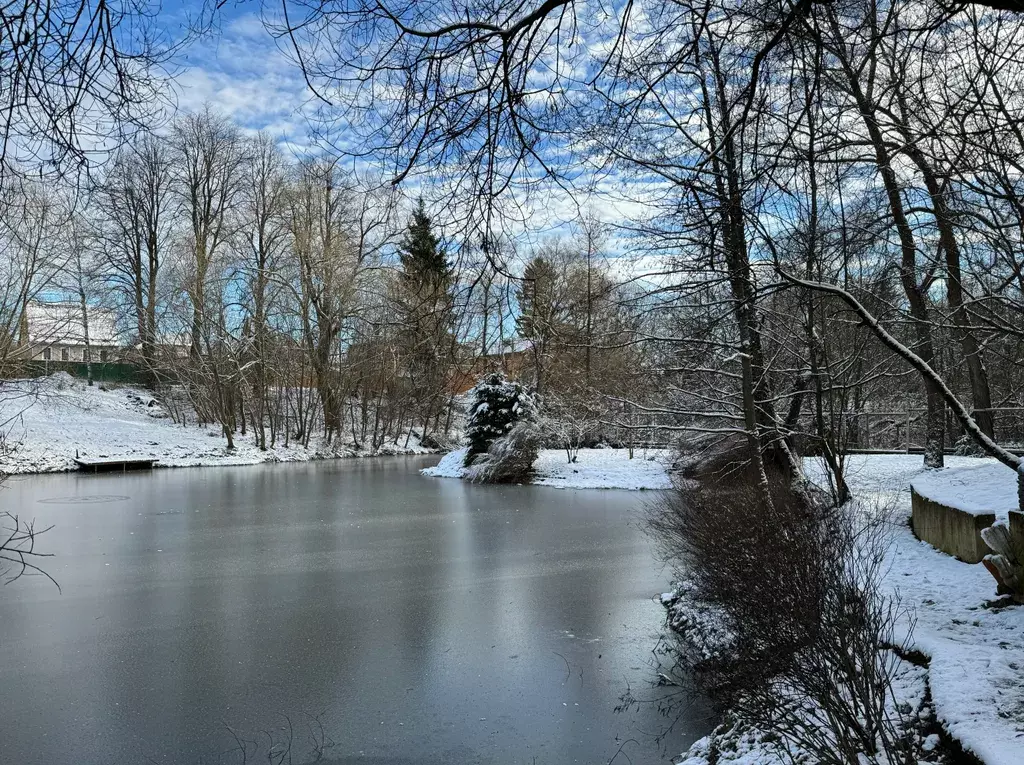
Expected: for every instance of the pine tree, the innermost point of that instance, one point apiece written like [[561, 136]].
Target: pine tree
[[536, 298], [425, 311], [539, 313], [425, 266], [498, 404]]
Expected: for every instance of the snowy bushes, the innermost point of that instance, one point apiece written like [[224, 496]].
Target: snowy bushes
[[510, 458], [498, 404], [504, 438], [804, 640]]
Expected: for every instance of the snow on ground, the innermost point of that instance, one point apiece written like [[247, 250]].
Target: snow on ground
[[593, 469], [976, 652], [450, 465], [737, 744], [47, 421], [745, 747], [985, 487], [603, 469]]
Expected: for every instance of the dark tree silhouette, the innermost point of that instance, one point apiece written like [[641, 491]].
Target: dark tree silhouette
[[18, 549]]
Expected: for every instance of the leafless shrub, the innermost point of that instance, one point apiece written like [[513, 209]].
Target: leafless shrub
[[805, 642], [723, 460], [570, 422]]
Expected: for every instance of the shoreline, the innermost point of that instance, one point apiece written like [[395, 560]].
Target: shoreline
[[5, 473], [601, 469], [48, 423], [971, 651]]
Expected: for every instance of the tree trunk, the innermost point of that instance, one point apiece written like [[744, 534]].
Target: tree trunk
[[980, 391], [923, 347], [87, 352]]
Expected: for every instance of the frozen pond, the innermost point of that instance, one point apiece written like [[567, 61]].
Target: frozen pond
[[418, 620]]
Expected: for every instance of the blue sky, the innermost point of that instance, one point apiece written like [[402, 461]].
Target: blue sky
[[243, 73], [239, 69]]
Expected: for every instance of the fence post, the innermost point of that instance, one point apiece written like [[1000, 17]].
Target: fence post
[[908, 428]]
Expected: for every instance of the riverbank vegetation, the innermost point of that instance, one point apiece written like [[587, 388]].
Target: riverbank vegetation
[[294, 301], [935, 658], [755, 232], [787, 623]]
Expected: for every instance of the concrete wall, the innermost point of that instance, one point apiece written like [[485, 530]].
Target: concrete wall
[[952, 531]]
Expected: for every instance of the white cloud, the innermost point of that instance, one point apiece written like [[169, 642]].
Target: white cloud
[[242, 74]]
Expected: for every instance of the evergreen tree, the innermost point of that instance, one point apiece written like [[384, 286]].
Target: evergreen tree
[[536, 296], [425, 312], [498, 404], [425, 266], [540, 312]]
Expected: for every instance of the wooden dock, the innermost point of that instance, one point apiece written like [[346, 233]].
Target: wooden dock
[[112, 465]]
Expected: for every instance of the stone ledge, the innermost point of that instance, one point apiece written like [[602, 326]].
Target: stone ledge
[[955, 532]]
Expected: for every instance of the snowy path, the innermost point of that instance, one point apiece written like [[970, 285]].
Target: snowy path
[[977, 653]]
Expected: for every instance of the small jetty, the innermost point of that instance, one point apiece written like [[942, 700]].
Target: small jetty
[[112, 465]]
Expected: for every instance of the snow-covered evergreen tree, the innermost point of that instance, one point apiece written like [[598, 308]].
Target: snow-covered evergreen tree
[[498, 404]]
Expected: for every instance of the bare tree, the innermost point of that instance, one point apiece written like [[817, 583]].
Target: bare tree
[[135, 211], [81, 279], [209, 165], [265, 230], [77, 77], [330, 261], [31, 260]]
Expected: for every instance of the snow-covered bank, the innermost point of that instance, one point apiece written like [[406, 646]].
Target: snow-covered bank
[[975, 651], [450, 465], [48, 421], [593, 469]]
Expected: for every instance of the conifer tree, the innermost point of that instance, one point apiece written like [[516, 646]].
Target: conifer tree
[[539, 312], [425, 267], [498, 404], [536, 297], [425, 312]]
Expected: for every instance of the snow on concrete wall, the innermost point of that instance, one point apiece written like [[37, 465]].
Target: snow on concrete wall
[[954, 531], [950, 507]]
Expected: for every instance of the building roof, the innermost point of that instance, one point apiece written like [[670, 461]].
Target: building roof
[[516, 345], [60, 323]]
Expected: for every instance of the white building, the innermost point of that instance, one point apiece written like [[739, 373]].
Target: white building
[[56, 332]]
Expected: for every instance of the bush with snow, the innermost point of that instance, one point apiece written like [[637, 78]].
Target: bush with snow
[[498, 404], [786, 623], [510, 458]]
